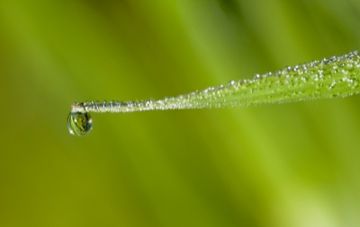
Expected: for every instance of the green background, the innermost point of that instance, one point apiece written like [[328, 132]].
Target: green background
[[275, 165]]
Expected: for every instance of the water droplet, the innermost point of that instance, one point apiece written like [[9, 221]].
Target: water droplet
[[332, 85], [79, 124], [257, 76]]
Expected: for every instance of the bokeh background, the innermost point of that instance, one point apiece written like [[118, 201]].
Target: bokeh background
[[275, 165]]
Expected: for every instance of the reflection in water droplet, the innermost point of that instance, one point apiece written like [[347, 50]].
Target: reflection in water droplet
[[79, 124]]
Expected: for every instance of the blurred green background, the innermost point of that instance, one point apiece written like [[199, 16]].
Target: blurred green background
[[275, 165]]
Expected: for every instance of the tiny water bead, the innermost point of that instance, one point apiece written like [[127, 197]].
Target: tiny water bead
[[79, 124], [338, 76]]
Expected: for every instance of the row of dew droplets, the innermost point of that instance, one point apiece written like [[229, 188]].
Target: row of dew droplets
[[319, 78], [343, 75]]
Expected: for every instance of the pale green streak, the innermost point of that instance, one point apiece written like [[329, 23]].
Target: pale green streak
[[327, 78]]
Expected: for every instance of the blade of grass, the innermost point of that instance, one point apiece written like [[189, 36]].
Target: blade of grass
[[338, 76]]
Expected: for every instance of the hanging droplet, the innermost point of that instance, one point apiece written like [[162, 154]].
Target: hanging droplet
[[79, 124]]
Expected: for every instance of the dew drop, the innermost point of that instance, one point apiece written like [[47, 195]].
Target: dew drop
[[79, 124], [332, 85]]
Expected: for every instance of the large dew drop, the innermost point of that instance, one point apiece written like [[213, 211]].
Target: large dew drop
[[79, 124]]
